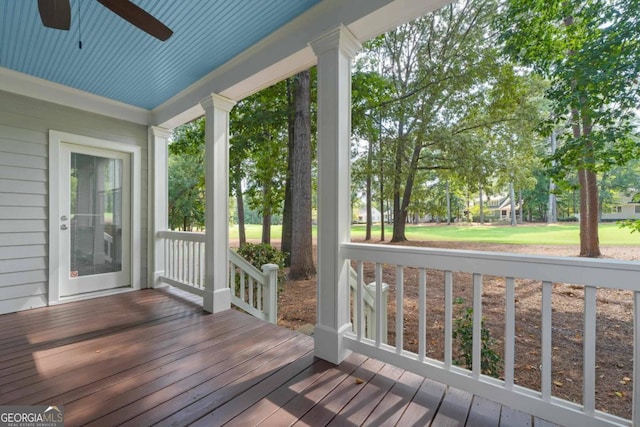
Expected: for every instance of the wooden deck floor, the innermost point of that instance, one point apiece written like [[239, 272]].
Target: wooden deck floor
[[152, 358]]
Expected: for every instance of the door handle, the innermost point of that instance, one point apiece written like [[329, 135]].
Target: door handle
[[63, 227]]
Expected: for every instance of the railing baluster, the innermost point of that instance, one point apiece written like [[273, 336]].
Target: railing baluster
[[477, 326], [422, 315], [399, 308], [259, 296], [174, 258], [199, 262], [190, 262], [166, 257], [448, 318], [509, 333], [251, 285], [359, 312], [203, 262], [547, 349], [589, 350], [243, 293], [379, 305]]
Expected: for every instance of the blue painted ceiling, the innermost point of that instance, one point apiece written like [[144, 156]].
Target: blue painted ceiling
[[121, 62]]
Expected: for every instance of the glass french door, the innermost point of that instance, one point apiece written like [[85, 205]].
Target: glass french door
[[95, 219]]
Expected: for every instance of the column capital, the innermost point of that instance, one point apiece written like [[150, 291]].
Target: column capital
[[340, 38], [159, 132], [217, 101]]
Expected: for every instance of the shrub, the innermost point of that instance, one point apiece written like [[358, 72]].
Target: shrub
[[259, 254], [490, 361]]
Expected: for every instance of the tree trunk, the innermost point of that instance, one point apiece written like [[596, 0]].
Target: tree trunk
[[266, 216], [553, 204], [520, 205], [287, 211], [369, 179], [240, 202], [581, 126], [383, 212], [512, 196], [448, 194], [589, 240], [481, 204], [302, 243]]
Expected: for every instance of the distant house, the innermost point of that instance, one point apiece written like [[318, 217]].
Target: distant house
[[360, 215], [497, 207], [625, 207]]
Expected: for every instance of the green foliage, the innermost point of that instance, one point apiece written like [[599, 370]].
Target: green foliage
[[186, 177], [259, 254], [590, 53], [633, 225], [437, 97], [491, 362]]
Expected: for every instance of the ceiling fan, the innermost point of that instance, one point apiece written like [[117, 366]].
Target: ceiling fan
[[57, 14]]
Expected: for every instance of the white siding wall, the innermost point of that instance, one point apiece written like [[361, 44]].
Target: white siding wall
[[24, 190]]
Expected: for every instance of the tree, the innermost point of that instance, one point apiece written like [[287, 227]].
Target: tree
[[441, 69], [590, 53], [186, 176], [258, 135], [186, 193], [302, 241]]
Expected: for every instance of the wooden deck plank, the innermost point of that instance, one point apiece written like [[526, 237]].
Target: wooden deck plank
[[154, 356], [483, 413], [330, 405], [510, 417], [123, 307], [70, 357], [423, 407], [538, 422], [257, 403], [391, 408], [359, 408], [92, 326], [129, 403], [454, 408], [134, 387], [149, 364], [192, 403], [305, 401], [106, 353]]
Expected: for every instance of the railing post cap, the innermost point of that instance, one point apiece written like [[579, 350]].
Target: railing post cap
[[269, 267]]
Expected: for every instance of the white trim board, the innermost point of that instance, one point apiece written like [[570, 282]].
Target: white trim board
[[55, 139]]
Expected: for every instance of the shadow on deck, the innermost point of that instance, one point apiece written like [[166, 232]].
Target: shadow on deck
[[153, 357]]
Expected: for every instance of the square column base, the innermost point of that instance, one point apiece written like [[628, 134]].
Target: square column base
[[329, 344], [217, 301]]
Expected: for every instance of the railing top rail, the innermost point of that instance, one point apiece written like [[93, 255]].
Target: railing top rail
[[182, 235], [245, 266], [605, 273]]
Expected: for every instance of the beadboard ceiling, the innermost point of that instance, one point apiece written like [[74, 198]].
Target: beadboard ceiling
[[119, 62]]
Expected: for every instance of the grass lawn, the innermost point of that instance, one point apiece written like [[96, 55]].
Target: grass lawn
[[555, 234]]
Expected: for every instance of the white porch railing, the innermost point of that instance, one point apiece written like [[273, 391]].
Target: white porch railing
[[590, 274], [252, 290], [368, 305]]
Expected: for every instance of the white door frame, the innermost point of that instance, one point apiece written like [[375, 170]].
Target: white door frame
[[57, 138]]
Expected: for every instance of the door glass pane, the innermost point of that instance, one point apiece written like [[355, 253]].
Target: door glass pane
[[96, 215]]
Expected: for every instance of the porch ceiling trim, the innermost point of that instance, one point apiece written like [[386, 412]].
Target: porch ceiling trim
[[278, 56]]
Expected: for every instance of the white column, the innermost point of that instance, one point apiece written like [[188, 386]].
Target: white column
[[158, 213], [217, 296], [334, 51]]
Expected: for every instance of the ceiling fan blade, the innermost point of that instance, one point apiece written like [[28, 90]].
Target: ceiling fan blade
[[55, 13], [138, 17]]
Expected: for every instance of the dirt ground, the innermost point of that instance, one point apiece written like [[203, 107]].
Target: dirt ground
[[614, 352]]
